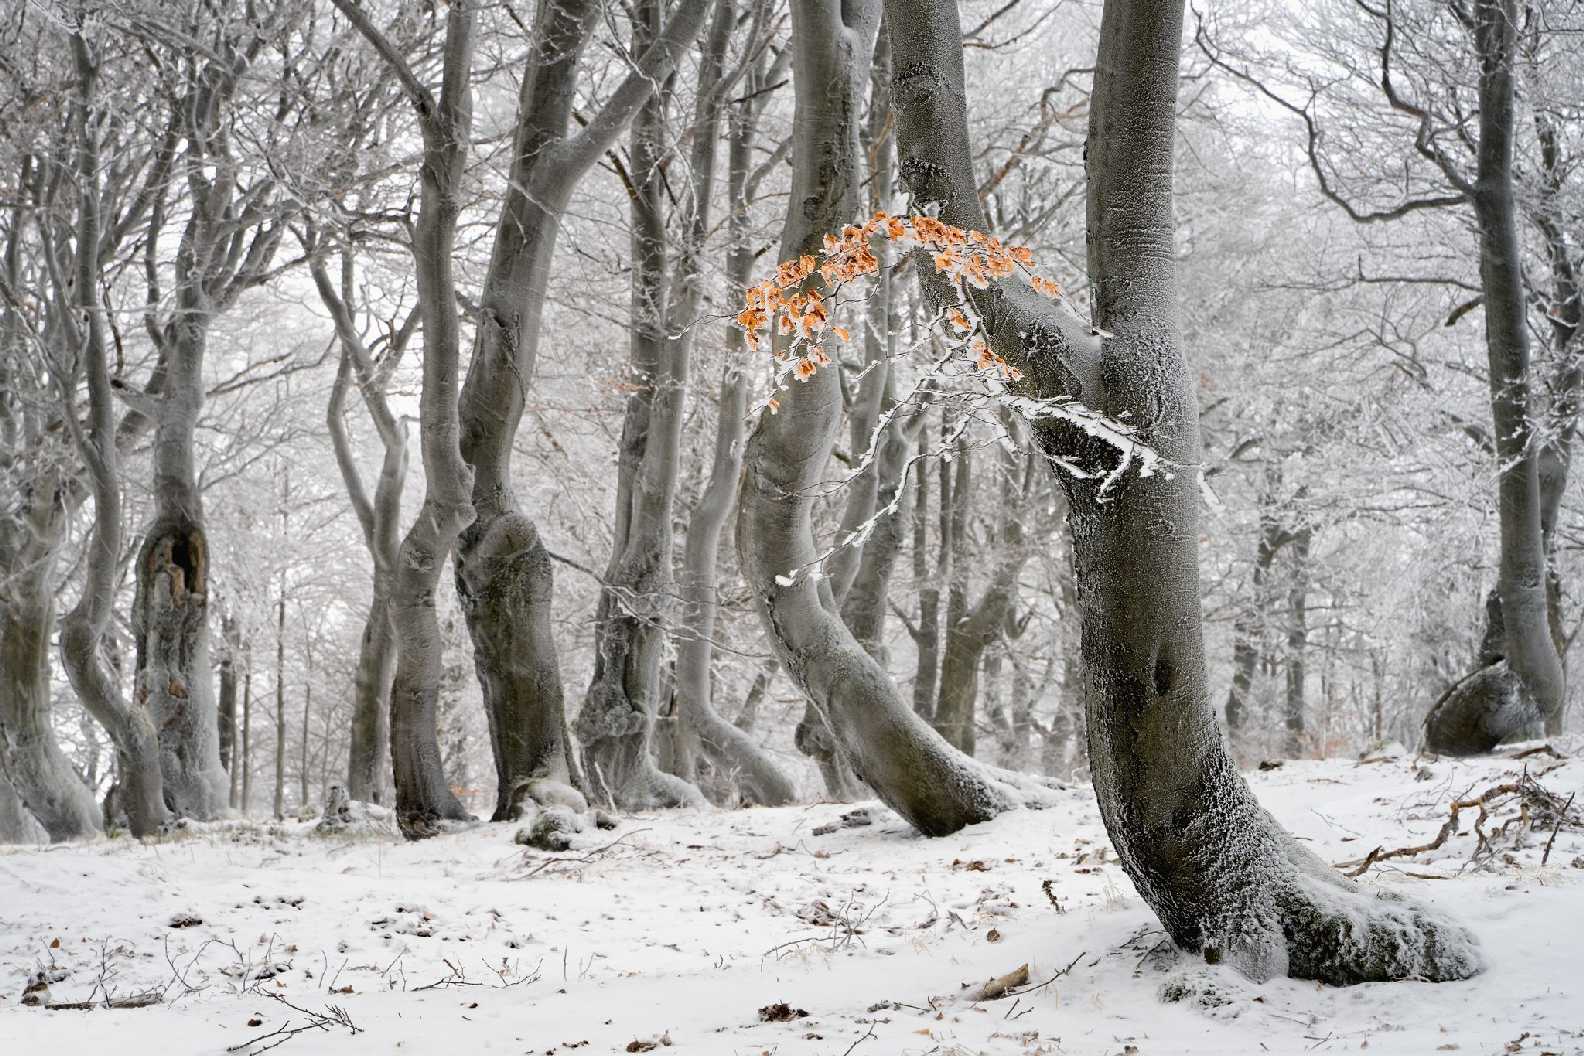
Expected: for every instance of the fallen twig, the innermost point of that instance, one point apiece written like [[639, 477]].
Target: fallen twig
[[1557, 827], [333, 1016]]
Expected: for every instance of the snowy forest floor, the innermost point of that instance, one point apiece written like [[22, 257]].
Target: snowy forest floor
[[672, 933]]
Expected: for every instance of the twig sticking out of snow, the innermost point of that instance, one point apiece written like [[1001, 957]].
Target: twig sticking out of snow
[[333, 1016]]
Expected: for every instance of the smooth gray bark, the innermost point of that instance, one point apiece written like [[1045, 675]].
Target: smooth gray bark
[[31, 762], [503, 569], [753, 774], [617, 721], [907, 764], [84, 629], [1219, 871], [1479, 712], [424, 800], [378, 517]]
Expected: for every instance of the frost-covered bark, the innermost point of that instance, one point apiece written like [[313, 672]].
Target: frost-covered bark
[[729, 750], [617, 721], [503, 569], [84, 629], [424, 799], [1219, 871], [1479, 712], [379, 519], [32, 764], [907, 764]]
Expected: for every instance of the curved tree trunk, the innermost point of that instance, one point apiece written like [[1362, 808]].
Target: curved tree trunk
[[31, 761], [907, 764], [502, 567], [84, 628], [379, 518], [730, 750], [1221, 874]]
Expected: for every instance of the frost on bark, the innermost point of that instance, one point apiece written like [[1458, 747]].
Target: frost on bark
[[739, 765], [39, 492], [503, 569], [378, 517], [38, 774], [1222, 875], [908, 765], [85, 628], [616, 725], [1525, 685]]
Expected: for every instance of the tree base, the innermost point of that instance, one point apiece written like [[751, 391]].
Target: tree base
[[1281, 911], [1477, 714]]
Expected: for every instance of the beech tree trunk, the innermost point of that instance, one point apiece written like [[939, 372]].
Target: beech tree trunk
[[617, 721], [971, 629], [908, 765], [39, 775], [1500, 701], [379, 518], [730, 751], [503, 570], [1220, 872], [84, 629], [231, 646]]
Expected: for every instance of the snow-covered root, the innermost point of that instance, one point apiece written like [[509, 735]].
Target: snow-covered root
[[1278, 910], [1481, 711]]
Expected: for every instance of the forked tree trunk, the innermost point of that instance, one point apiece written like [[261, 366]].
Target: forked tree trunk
[[616, 725], [84, 629], [909, 766], [503, 569], [379, 518], [755, 775], [1222, 875], [424, 799]]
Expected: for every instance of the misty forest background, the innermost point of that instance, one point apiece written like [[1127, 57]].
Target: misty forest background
[[1349, 522]]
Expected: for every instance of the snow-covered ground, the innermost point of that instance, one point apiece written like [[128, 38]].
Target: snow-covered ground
[[678, 928]]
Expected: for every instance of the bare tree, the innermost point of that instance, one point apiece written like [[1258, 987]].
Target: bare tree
[[1220, 872], [729, 750], [378, 515], [909, 766]]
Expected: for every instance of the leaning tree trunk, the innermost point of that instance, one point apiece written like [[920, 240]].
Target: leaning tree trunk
[[84, 629], [31, 761], [1500, 701], [730, 751], [1222, 875], [909, 766]]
